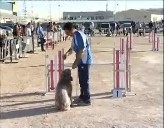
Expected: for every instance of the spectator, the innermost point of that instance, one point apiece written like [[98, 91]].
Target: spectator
[[16, 31], [32, 28], [112, 28], [41, 35], [137, 28], [2, 37], [143, 27], [117, 28], [83, 28], [49, 27], [28, 29], [55, 29], [133, 24], [151, 26], [92, 29], [21, 31]]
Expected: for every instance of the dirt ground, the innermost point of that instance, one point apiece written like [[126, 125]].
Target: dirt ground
[[23, 83]]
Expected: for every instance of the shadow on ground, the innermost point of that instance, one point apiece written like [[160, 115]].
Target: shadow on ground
[[27, 112], [33, 111]]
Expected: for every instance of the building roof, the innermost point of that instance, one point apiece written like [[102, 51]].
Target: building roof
[[141, 11], [89, 12]]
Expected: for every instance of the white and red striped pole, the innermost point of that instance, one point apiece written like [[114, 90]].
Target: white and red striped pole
[[130, 42], [52, 74], [60, 62], [158, 41], [126, 67], [117, 69]]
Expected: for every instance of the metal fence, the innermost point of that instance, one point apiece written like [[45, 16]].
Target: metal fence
[[14, 49]]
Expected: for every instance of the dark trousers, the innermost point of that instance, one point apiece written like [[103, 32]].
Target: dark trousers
[[41, 44], [83, 73]]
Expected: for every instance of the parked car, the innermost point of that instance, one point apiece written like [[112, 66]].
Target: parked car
[[7, 24], [126, 28], [105, 27], [7, 29]]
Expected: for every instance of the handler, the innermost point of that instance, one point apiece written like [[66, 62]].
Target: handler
[[81, 46]]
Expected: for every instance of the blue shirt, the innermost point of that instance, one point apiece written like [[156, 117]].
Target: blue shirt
[[40, 32], [80, 41]]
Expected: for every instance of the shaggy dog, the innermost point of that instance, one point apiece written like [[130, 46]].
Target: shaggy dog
[[63, 95]]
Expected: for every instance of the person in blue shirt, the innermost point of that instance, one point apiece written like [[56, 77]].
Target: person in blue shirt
[[40, 34], [81, 46]]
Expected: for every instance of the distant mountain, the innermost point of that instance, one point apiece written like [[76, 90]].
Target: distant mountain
[[155, 10]]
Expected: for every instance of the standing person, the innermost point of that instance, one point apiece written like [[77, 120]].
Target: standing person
[[112, 28], [137, 28], [92, 29], [28, 29], [83, 28], [81, 46], [117, 28], [150, 26], [16, 31], [32, 34], [143, 27], [133, 24], [55, 29], [40, 33], [49, 27]]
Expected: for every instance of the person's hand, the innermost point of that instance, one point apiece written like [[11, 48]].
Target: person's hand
[[64, 56], [74, 65]]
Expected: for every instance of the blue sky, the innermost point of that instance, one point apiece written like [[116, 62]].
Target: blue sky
[[42, 8]]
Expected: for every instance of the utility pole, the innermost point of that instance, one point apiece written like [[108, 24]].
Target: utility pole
[[50, 10], [59, 11], [25, 10], [106, 5]]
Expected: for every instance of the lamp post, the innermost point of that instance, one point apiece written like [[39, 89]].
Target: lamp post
[[125, 9], [114, 9], [50, 9]]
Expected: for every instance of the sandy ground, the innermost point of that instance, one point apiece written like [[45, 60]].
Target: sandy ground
[[24, 106]]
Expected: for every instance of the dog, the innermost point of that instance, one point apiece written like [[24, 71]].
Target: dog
[[63, 95]]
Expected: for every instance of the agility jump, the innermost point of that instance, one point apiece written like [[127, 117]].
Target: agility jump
[[53, 70], [121, 70], [154, 40]]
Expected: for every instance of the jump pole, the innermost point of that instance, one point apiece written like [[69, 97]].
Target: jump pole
[[155, 43]]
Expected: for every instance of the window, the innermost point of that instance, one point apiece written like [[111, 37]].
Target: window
[[92, 18]]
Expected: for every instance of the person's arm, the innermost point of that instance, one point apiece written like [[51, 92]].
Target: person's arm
[[69, 52], [78, 56], [80, 47]]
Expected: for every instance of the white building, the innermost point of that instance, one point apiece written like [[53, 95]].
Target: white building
[[138, 16]]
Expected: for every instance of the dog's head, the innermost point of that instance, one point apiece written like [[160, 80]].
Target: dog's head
[[66, 75]]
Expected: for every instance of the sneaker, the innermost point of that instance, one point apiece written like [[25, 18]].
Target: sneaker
[[76, 101], [84, 103]]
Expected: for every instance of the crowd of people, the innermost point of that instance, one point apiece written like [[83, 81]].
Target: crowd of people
[[32, 29]]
